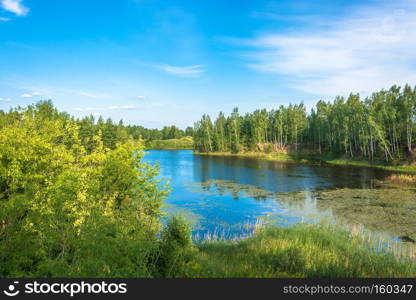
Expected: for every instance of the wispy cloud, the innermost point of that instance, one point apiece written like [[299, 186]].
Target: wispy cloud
[[2, 19], [5, 99], [30, 95], [109, 108], [140, 97], [186, 71], [15, 6], [372, 50]]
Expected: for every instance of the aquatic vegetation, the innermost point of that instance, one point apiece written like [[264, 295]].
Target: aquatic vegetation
[[382, 210], [223, 187], [192, 218], [389, 211]]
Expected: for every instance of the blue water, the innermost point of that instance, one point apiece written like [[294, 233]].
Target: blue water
[[211, 191]]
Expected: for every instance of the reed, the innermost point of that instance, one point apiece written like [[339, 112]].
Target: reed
[[401, 179], [303, 250]]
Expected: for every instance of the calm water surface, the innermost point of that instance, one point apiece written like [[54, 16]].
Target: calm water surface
[[223, 195]]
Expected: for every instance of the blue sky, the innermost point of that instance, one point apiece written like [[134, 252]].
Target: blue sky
[[157, 63]]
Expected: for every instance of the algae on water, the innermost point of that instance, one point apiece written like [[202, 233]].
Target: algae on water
[[382, 210], [223, 187], [386, 210], [193, 219]]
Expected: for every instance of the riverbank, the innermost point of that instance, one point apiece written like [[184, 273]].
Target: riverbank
[[299, 251], [184, 143], [315, 159]]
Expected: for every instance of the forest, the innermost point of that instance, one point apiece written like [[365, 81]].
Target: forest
[[113, 132], [379, 127]]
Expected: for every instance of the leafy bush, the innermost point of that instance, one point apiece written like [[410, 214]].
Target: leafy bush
[[269, 148], [66, 211], [175, 247]]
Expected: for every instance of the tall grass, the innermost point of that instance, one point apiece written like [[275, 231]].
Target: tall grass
[[236, 233], [401, 179], [302, 251]]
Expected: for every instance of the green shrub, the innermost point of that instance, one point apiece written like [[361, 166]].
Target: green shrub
[[66, 211], [175, 247], [269, 148]]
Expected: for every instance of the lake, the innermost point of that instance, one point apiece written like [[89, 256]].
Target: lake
[[225, 196]]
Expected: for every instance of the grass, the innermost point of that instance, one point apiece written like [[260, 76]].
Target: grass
[[184, 143], [299, 251], [401, 179], [316, 158], [259, 155], [379, 165]]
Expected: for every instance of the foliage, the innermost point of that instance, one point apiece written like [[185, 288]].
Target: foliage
[[379, 127], [69, 204], [112, 133], [76, 200], [175, 246], [171, 144], [166, 133]]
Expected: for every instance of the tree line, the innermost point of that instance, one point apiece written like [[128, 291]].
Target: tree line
[[381, 126], [166, 133], [113, 132]]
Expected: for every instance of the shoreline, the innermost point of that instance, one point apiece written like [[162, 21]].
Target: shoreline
[[313, 159]]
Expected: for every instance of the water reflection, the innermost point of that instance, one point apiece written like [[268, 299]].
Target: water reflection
[[226, 193], [282, 176]]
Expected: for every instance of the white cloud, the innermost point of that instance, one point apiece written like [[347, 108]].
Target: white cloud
[[15, 6], [5, 99], [2, 19], [186, 71], [109, 108], [372, 50], [140, 97], [30, 95]]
